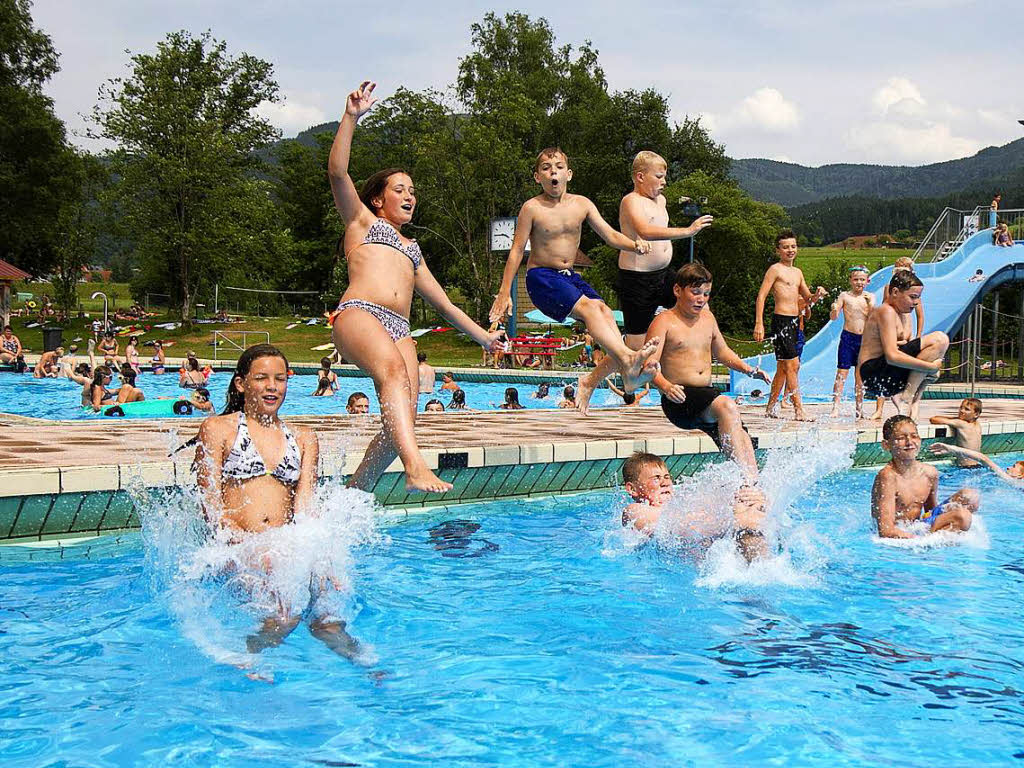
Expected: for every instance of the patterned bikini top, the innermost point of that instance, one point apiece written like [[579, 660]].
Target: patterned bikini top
[[382, 233], [9, 345], [244, 461]]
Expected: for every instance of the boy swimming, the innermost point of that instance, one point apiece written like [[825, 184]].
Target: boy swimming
[[685, 338], [785, 282], [552, 222], [906, 490], [649, 483], [645, 281], [854, 304], [966, 430], [1014, 474], [891, 369]]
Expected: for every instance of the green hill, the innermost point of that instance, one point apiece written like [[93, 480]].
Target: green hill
[[789, 184]]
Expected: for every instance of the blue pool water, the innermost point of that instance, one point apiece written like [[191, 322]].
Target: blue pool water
[[61, 399], [544, 638]]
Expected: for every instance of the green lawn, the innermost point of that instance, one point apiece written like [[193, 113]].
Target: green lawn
[[813, 261]]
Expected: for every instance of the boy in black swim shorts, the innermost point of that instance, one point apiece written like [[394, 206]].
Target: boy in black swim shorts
[[646, 281], [787, 285], [687, 336]]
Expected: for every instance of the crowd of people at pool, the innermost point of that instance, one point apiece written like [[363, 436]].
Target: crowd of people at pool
[[257, 473]]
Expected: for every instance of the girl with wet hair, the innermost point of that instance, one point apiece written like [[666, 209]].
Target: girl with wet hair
[[458, 402], [371, 323], [95, 394], [512, 400]]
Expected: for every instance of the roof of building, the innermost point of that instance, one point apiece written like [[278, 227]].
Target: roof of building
[[11, 272]]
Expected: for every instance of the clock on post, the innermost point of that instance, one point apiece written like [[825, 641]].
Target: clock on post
[[503, 229]]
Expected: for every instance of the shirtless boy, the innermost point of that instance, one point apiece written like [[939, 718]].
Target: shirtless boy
[[685, 338], [906, 327], [426, 373], [645, 281], [906, 490], [553, 222], [966, 430], [891, 369], [649, 484], [854, 304], [786, 284], [49, 363]]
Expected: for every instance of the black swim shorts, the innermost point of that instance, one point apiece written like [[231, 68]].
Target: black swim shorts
[[784, 336], [640, 296], [881, 379], [686, 415]]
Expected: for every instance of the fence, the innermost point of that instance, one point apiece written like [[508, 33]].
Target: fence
[[990, 345], [224, 337]]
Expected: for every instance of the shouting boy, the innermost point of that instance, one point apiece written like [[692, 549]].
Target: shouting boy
[[785, 282], [553, 222]]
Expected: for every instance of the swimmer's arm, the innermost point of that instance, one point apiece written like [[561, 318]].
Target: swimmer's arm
[[432, 292], [890, 345], [945, 449], [208, 462], [762, 296], [604, 230], [615, 390], [883, 507], [310, 448], [346, 198], [502, 305], [632, 212], [948, 421], [643, 517], [919, 314]]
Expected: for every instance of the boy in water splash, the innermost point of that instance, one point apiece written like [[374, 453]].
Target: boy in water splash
[[685, 338], [787, 285], [906, 490], [552, 222], [855, 304]]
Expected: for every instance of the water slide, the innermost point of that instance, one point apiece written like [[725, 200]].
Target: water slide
[[949, 298]]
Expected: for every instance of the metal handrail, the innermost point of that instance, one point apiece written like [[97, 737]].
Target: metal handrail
[[223, 336]]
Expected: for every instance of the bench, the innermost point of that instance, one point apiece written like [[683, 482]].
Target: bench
[[545, 348]]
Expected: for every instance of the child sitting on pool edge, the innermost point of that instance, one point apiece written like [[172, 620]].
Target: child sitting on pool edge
[[906, 490], [649, 483], [966, 430]]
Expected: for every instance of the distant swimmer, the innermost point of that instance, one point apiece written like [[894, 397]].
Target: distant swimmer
[[906, 490], [649, 483], [966, 429], [256, 473], [1014, 474], [854, 305]]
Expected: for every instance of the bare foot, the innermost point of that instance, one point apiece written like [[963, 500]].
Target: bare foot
[[639, 373], [585, 388], [801, 416], [834, 414], [901, 405], [773, 413], [425, 481]]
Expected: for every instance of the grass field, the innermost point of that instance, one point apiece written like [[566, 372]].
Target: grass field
[[814, 261]]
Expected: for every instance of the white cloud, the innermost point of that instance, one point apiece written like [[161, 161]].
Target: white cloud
[[899, 96], [291, 115], [766, 110], [892, 142]]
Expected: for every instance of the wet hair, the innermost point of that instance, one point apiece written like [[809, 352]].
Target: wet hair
[[356, 396], [100, 374], [458, 398], [904, 280], [421, 357], [325, 363], [375, 186], [83, 369], [693, 274], [543, 388], [192, 364], [786, 234], [549, 152], [646, 159], [127, 374], [448, 375], [975, 403], [235, 399], [635, 464], [629, 397], [203, 392], [322, 386], [435, 401], [569, 393], [512, 396], [893, 423]]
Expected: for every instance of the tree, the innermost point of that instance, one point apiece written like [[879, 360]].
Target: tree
[[187, 134], [79, 224], [33, 153]]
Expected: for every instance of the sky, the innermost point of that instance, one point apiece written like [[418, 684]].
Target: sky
[[900, 82]]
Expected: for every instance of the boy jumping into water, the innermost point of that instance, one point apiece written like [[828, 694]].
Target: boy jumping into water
[[552, 222], [966, 430], [645, 282], [891, 369], [855, 304], [787, 285], [906, 490], [684, 340], [649, 484]]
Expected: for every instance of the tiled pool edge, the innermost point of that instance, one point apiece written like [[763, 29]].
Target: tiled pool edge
[[55, 503]]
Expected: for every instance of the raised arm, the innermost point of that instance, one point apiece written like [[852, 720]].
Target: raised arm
[[631, 211], [346, 198], [612, 236], [432, 292], [502, 305], [883, 507]]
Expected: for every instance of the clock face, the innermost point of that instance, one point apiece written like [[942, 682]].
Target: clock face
[[502, 232]]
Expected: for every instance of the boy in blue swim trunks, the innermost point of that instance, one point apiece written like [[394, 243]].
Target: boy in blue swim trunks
[[906, 490], [855, 305], [552, 222]]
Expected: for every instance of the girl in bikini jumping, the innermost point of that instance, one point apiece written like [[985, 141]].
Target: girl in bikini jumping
[[371, 324]]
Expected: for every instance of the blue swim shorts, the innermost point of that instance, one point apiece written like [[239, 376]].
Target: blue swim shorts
[[929, 517], [556, 291], [849, 350], [800, 341]]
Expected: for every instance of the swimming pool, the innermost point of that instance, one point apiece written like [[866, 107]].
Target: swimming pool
[[61, 399], [542, 637]]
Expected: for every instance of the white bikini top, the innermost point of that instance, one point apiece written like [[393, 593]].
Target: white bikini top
[[244, 460]]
